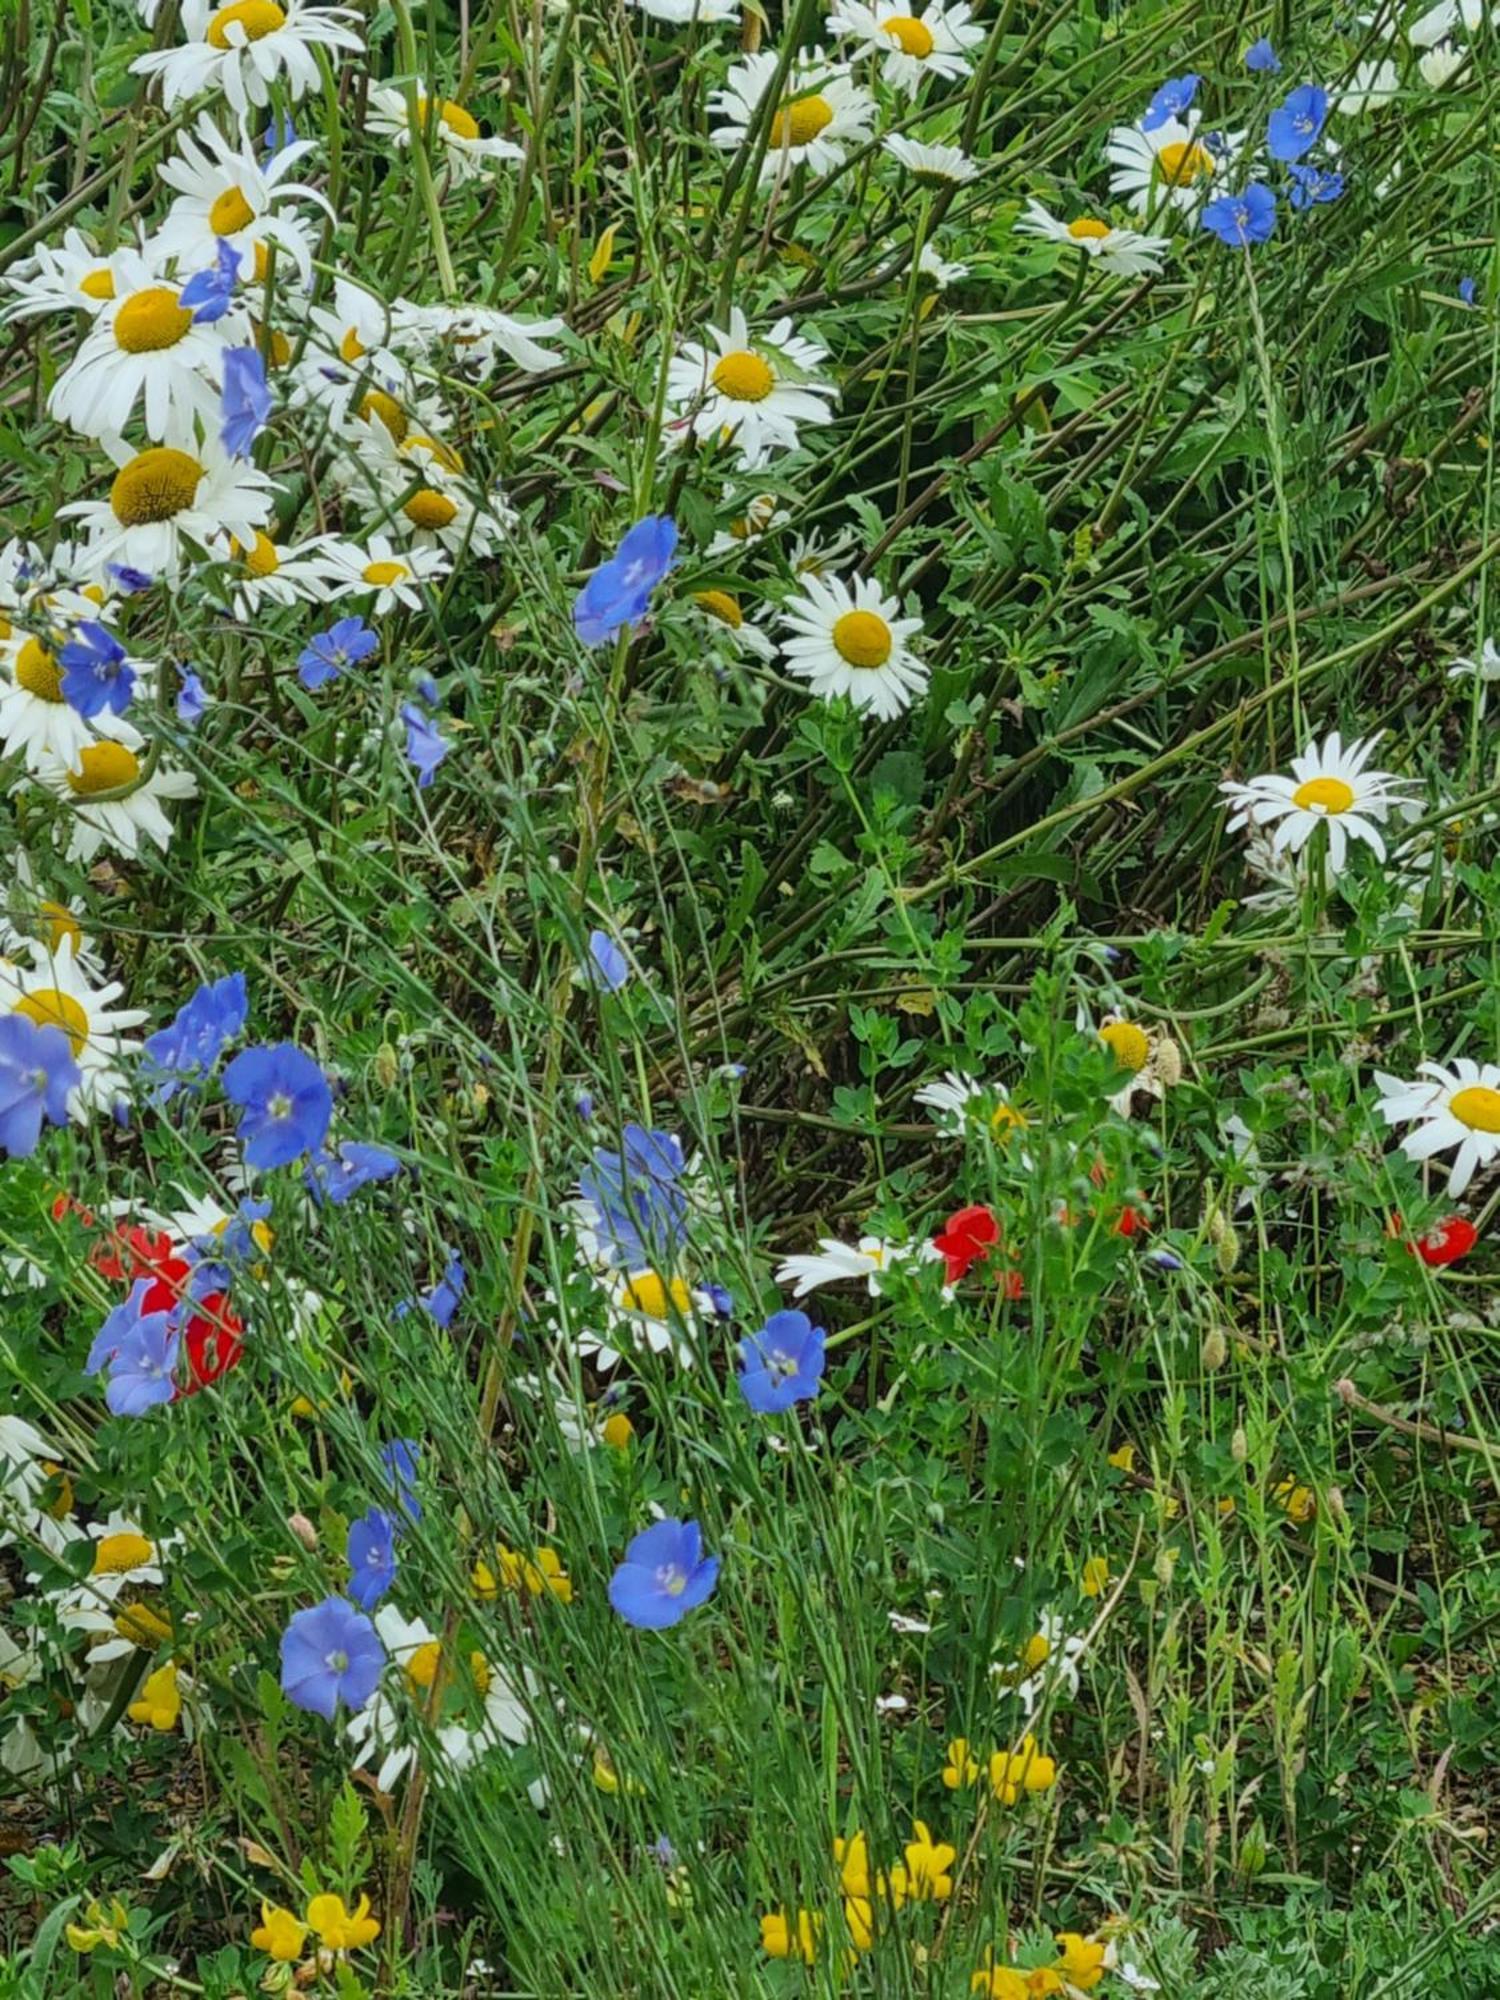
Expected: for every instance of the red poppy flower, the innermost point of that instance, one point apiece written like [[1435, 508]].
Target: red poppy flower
[[1130, 1221], [213, 1341], [1446, 1241], [132, 1252], [969, 1235]]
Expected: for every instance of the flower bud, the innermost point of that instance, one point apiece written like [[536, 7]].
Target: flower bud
[[1215, 1350], [1239, 1445], [304, 1530], [387, 1066]]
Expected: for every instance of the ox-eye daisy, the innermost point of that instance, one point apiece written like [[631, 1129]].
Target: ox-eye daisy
[[1457, 1108], [1124, 250], [645, 1312], [820, 114], [681, 11], [37, 720], [167, 496], [432, 501], [261, 572], [73, 277], [104, 812], [852, 641], [833, 1262], [50, 988], [1169, 167], [395, 576], [243, 48], [225, 195], [754, 392], [453, 134], [1329, 786], [729, 626], [144, 347], [478, 338], [930, 165], [934, 43], [958, 1099]]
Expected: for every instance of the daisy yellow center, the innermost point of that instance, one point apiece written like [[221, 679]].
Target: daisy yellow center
[[254, 18], [1476, 1106], [62, 926], [1128, 1043], [479, 1667], [1087, 230], [382, 573], [462, 124], [427, 508], [378, 404], [1324, 795], [51, 1009], [444, 454], [743, 377], [151, 320], [422, 1667], [1184, 161], [230, 213], [719, 604], [103, 767], [800, 122], [154, 486], [116, 1554], [912, 37], [650, 1294], [260, 559], [351, 347], [862, 639], [1036, 1651], [38, 672], [98, 284]]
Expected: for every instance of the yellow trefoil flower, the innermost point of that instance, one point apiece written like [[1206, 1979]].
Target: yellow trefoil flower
[[280, 1934]]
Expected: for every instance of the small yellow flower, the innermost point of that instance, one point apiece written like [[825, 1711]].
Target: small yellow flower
[[618, 1431], [1082, 1961], [928, 1866], [102, 1927], [1095, 1576], [859, 1921], [279, 1934], [1123, 1460], [159, 1702], [960, 1769], [783, 1937], [1024, 1769], [999, 1982], [518, 1572], [339, 1929], [1299, 1501], [852, 1858], [609, 1780]]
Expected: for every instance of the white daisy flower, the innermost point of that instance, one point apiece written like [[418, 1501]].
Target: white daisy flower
[[395, 577], [754, 392], [942, 273], [145, 348], [644, 1311], [455, 135], [679, 12], [1438, 67], [360, 327], [579, 1426], [834, 1262], [1126, 251], [28, 1462], [745, 527], [957, 1098], [852, 641], [935, 43], [424, 481], [382, 1727], [1372, 85], [729, 625], [121, 823], [1049, 1664], [263, 572], [1329, 786], [931, 166], [1150, 1060], [1168, 168], [1485, 670], [53, 991], [166, 497], [225, 195], [1438, 23], [243, 48], [1457, 1108], [37, 721], [72, 278], [821, 113], [479, 337], [124, 1559]]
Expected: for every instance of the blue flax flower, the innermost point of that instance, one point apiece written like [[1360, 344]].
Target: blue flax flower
[[278, 135], [325, 657], [664, 1576], [371, 1550], [1241, 219], [207, 295], [182, 1053], [783, 1363], [37, 1071], [1260, 56], [118, 1328], [618, 592], [442, 1301], [399, 1460], [1175, 96], [330, 1653], [1293, 127], [608, 965], [192, 699], [641, 1211], [95, 672], [286, 1102], [1313, 184], [131, 581], [244, 400], [1467, 287], [335, 1177], [141, 1374], [426, 746]]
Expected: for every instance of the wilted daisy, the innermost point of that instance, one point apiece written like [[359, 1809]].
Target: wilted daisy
[[1455, 1109], [929, 165], [1329, 786], [71, 277], [1150, 1061], [851, 640], [723, 614], [144, 347], [395, 576], [225, 195], [958, 1100], [243, 48], [820, 115], [1124, 250], [165, 498], [122, 823], [1168, 167], [754, 392], [453, 134], [935, 43], [834, 1262], [29, 1511]]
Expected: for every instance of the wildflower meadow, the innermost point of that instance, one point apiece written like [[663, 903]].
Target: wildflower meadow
[[749, 1000]]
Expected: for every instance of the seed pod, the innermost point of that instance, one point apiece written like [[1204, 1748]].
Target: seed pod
[[1215, 1350], [387, 1066], [304, 1530], [1239, 1445]]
